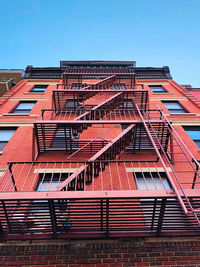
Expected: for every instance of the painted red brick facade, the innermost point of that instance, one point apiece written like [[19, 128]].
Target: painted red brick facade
[[100, 150]]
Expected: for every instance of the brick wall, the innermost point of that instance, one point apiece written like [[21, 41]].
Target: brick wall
[[103, 253]]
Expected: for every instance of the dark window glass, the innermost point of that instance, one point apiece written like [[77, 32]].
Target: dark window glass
[[5, 135], [174, 107], [65, 138], [24, 107], [151, 181], [71, 103], [77, 86], [194, 133], [119, 86], [127, 104], [157, 89], [49, 181], [173, 211], [39, 88]]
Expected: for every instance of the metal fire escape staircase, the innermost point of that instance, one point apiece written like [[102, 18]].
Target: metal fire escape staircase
[[85, 173], [46, 133], [171, 155], [60, 98]]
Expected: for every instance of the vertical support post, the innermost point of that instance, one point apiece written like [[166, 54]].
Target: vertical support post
[[146, 99], [37, 140], [7, 218], [171, 148], [64, 128], [142, 99], [53, 103], [43, 135], [134, 138], [107, 217], [161, 216], [52, 216], [33, 144], [154, 212], [12, 176], [101, 213], [1, 232], [195, 175], [70, 138], [58, 99]]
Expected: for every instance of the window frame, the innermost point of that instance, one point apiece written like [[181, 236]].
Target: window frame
[[78, 86], [158, 92], [59, 141], [5, 142], [74, 104], [173, 109], [153, 176], [49, 179], [128, 104], [196, 141], [119, 85], [45, 86], [25, 110]]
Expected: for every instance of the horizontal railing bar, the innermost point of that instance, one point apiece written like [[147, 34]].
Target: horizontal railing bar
[[79, 161], [92, 122], [79, 195], [100, 91]]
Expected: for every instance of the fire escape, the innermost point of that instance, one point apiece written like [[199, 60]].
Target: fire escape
[[111, 141]]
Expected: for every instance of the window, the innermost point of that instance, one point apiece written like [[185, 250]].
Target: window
[[194, 133], [5, 135], [72, 103], [173, 214], [174, 107], [61, 139], [49, 181], [77, 86], [119, 86], [24, 107], [127, 104], [152, 181], [157, 89], [39, 88]]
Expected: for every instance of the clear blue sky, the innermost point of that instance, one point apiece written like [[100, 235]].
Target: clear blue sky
[[152, 32]]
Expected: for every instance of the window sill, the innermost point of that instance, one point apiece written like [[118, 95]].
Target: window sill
[[164, 93], [182, 114], [15, 114], [20, 114], [33, 93]]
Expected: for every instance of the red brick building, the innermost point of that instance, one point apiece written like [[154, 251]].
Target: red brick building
[[100, 149]]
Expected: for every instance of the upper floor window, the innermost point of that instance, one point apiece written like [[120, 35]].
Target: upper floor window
[[49, 181], [39, 88], [152, 181], [119, 86], [127, 104], [174, 107], [64, 138], [194, 133], [157, 89], [77, 86], [72, 103], [5, 135], [24, 107]]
